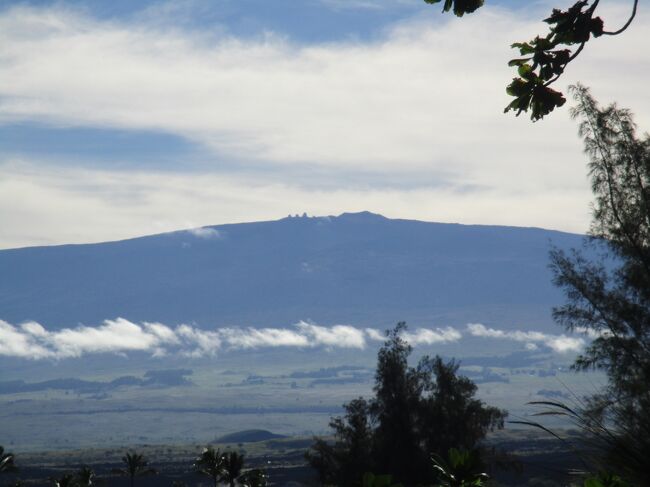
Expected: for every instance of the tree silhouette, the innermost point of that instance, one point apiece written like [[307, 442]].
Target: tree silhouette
[[351, 454], [416, 411], [66, 480], [233, 463], [463, 468], [85, 476], [136, 465], [543, 59], [254, 478], [6, 461], [211, 463], [608, 297]]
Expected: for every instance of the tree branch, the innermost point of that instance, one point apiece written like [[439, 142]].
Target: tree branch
[[627, 24]]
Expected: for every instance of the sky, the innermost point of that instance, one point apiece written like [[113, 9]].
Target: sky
[[120, 118]]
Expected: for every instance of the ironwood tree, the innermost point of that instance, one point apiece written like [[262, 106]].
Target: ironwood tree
[[415, 412], [608, 296]]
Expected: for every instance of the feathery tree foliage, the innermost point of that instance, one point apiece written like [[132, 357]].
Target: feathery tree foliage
[[463, 468], [85, 476], [544, 58], [6, 461], [416, 411], [66, 480], [211, 464], [136, 465], [610, 299], [227, 468], [233, 463], [81, 478], [254, 478]]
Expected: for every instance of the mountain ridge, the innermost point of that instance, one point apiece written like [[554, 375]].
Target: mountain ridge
[[344, 215], [360, 268]]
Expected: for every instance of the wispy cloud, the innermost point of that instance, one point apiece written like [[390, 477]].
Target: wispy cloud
[[204, 232], [273, 100], [424, 336], [120, 336], [337, 336], [31, 340], [375, 335], [558, 343], [91, 205], [16, 342], [403, 106], [263, 337]]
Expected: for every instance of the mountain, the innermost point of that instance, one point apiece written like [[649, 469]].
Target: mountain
[[357, 268], [248, 436]]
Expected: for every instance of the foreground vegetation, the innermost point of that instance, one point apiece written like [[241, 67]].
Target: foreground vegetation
[[416, 411], [220, 467]]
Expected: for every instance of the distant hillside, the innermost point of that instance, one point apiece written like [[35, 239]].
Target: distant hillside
[[356, 268], [249, 436]]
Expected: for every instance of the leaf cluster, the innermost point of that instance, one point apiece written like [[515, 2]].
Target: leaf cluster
[[544, 58], [459, 7]]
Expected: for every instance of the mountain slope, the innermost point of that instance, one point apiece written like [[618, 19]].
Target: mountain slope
[[355, 268]]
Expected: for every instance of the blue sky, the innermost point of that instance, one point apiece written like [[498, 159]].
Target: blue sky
[[121, 118], [311, 21]]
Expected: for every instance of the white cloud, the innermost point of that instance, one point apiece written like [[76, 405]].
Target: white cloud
[[423, 336], [31, 340], [272, 100], [558, 343], [416, 102], [119, 336], [82, 205], [262, 337], [375, 335], [33, 328], [113, 335], [335, 336], [14, 343], [591, 333], [563, 344], [200, 342], [204, 232]]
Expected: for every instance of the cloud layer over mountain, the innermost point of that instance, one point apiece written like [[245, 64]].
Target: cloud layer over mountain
[[557, 343], [30, 340]]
